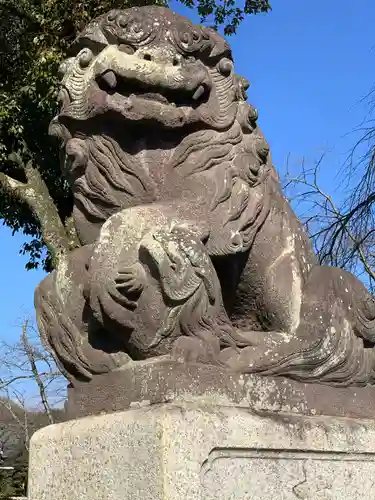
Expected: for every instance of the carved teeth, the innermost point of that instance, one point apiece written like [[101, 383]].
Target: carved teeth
[[199, 92], [110, 79]]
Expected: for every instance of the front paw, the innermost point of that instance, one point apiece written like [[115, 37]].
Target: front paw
[[194, 350], [245, 360]]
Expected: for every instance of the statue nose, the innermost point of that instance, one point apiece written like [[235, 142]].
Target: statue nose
[[163, 57]]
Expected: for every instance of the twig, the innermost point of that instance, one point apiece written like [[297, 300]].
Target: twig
[[34, 369]]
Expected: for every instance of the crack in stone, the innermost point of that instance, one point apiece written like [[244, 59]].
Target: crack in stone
[[304, 481]]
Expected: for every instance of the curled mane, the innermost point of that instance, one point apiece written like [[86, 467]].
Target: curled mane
[[113, 179], [236, 165]]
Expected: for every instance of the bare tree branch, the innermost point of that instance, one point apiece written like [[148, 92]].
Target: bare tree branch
[[38, 379], [342, 234], [25, 366]]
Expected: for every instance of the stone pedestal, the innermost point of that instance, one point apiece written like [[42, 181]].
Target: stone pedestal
[[214, 446]]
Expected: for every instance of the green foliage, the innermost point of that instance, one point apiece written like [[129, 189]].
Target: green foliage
[[13, 483], [6, 487], [34, 37]]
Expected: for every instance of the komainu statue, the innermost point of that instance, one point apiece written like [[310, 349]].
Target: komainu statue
[[189, 249]]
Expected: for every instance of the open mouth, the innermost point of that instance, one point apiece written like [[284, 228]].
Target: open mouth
[[115, 84]]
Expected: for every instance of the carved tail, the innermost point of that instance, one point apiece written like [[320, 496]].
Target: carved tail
[[69, 347]]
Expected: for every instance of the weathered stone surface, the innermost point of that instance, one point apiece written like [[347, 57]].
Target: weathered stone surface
[[189, 248], [192, 259], [202, 452], [165, 381]]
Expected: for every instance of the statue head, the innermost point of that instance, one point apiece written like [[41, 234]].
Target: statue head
[[147, 100], [149, 65]]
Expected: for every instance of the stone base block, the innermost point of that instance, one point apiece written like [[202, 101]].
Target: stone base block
[[197, 451], [161, 380]]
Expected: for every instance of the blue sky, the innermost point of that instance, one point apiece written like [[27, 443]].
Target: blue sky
[[309, 64]]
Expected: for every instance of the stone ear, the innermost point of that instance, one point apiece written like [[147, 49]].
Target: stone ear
[[225, 66]]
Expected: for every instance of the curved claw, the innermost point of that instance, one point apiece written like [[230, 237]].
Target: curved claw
[[129, 285], [130, 280]]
